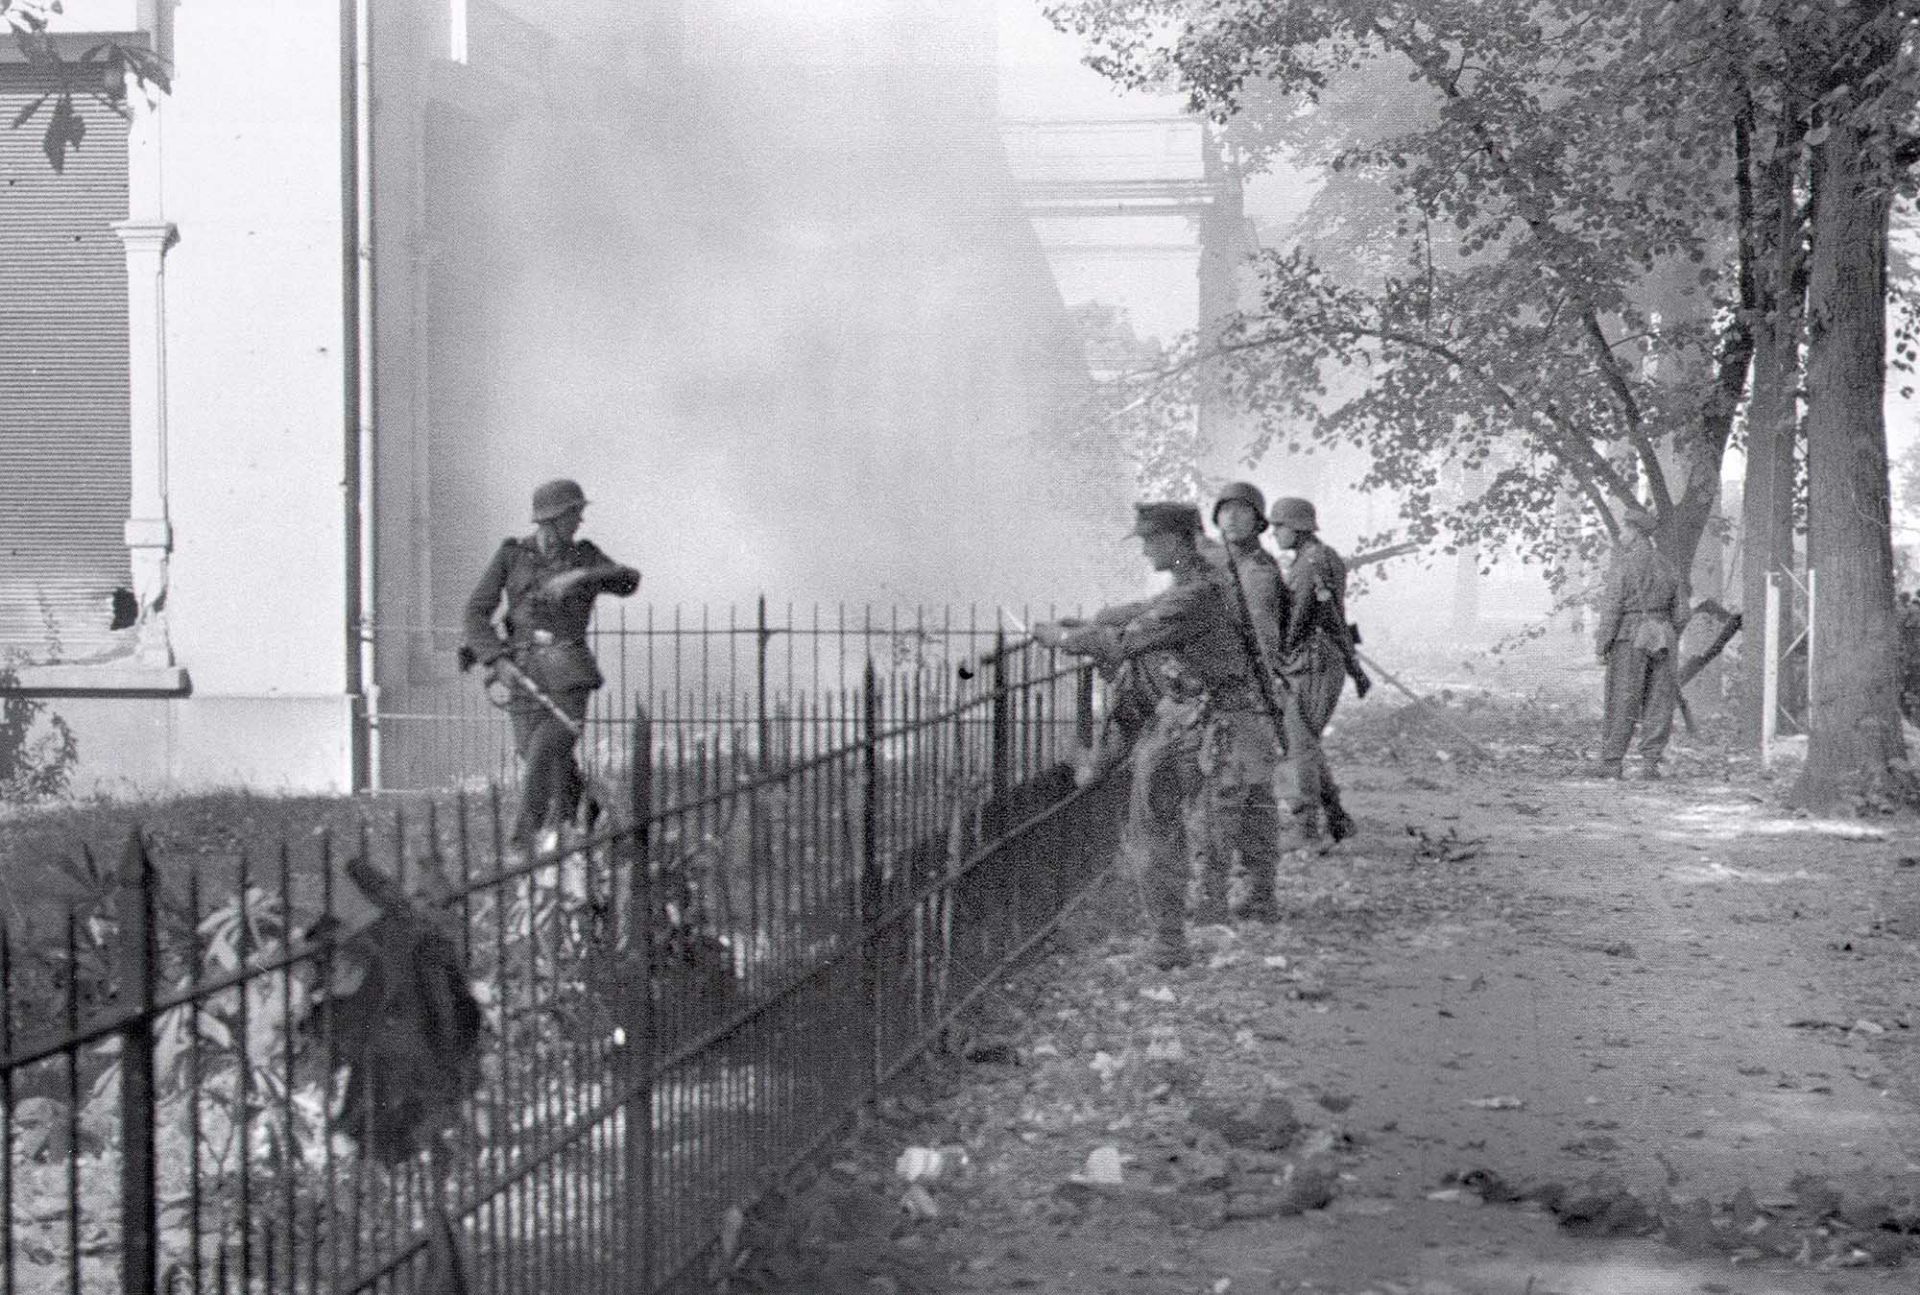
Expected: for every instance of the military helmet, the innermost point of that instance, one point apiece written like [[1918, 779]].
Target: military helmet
[[1160, 518], [1294, 514], [555, 498], [1245, 492]]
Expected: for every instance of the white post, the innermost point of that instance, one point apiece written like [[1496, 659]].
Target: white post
[[146, 236], [1813, 620], [1770, 672]]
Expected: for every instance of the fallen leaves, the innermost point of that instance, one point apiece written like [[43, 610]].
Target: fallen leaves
[[1445, 847]]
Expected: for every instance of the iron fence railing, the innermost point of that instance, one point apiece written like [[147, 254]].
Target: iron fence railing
[[677, 1008], [704, 668]]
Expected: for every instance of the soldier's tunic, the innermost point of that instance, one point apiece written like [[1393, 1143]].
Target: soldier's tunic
[[547, 638], [1209, 743], [1316, 670], [1241, 811], [1642, 611]]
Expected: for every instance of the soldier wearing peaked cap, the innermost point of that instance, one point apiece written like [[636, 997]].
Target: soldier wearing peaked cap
[[544, 586], [1209, 696], [1315, 652], [1642, 611]]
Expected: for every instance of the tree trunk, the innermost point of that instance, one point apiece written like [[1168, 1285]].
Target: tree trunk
[[1773, 420], [1855, 747]]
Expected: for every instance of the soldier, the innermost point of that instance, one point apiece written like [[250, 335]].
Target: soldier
[[1316, 656], [1208, 727], [548, 581], [1242, 813], [1637, 637]]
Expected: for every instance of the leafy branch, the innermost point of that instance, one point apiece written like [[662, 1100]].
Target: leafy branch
[[103, 72]]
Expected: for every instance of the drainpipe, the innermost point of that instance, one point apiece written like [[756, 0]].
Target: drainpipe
[[357, 291]]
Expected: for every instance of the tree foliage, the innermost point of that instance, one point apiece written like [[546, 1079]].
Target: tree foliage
[[104, 72], [1605, 211], [1534, 263]]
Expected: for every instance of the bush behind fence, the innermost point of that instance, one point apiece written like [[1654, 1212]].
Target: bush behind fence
[[675, 1010]]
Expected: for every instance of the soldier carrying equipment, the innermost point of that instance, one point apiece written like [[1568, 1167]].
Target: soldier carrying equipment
[[1316, 655], [548, 582]]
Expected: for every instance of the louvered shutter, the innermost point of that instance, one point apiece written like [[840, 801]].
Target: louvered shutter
[[64, 442]]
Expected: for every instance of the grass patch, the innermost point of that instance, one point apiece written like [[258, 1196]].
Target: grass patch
[[43, 848]]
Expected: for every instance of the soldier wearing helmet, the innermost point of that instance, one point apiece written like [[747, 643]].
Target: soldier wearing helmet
[[543, 588], [1209, 692], [1239, 812], [1315, 650], [1642, 612]]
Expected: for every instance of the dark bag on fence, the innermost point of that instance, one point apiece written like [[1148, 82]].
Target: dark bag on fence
[[400, 1016]]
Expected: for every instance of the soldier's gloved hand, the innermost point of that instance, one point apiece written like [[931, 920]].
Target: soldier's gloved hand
[[1362, 683]]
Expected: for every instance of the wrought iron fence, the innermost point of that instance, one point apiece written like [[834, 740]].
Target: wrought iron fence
[[677, 1008], [706, 668]]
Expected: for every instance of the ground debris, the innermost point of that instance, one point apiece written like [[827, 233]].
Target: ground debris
[[1445, 847], [1268, 1124], [1815, 1223]]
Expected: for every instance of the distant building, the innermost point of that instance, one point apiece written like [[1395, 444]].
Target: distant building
[[288, 347]]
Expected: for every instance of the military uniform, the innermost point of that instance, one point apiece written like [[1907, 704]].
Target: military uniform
[[1241, 812], [546, 637], [1313, 657], [1642, 612], [1209, 730]]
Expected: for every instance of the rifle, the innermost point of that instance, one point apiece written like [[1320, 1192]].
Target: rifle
[[1346, 637], [1263, 677], [505, 667]]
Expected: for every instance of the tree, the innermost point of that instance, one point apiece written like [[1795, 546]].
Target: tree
[[1579, 153], [1770, 103], [1556, 281], [1860, 146], [102, 71]]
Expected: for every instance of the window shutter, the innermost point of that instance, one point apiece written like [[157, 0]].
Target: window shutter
[[64, 442]]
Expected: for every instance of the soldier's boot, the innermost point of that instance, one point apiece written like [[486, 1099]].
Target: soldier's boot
[[1170, 950], [1600, 769], [1650, 771], [1339, 822], [1212, 908], [1260, 906], [1307, 836]]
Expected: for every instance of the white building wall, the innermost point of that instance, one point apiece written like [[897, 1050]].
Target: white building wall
[[243, 158]]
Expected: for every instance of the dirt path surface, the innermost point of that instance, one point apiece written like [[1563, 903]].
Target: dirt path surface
[[1523, 1034]]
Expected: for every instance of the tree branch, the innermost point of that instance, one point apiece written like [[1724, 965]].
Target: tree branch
[[1432, 66]]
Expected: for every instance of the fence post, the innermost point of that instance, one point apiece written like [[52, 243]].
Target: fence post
[[870, 888], [640, 1050], [138, 966], [1002, 722], [1083, 707], [765, 727]]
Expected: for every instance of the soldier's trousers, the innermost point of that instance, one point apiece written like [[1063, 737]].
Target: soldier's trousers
[[1202, 788], [1641, 691], [1238, 811], [1312, 695], [1160, 809], [551, 782]]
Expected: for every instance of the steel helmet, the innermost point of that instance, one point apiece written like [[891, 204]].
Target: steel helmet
[[1247, 493], [555, 498], [1294, 514]]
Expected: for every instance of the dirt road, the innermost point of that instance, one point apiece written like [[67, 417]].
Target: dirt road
[[1525, 1034]]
